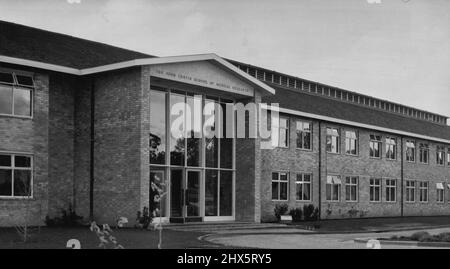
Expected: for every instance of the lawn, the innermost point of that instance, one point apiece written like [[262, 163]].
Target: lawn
[[56, 238]]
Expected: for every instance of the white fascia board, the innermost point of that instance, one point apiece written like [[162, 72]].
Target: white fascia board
[[41, 65], [353, 123]]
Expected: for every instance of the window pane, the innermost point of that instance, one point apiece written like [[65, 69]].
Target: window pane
[[283, 191], [22, 181], [157, 127], [226, 143], [177, 147], [6, 78], [22, 102], [157, 203], [5, 160], [194, 129], [299, 191], [211, 144], [5, 182], [211, 195], [307, 192], [5, 100], [226, 193], [283, 176], [24, 80], [275, 191], [22, 161]]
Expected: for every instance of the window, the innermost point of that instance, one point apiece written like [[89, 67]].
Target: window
[[16, 94], [304, 137], [410, 191], [333, 188], [351, 189], [448, 157], [375, 189], [351, 143], [424, 153], [440, 155], [410, 151], [423, 191], [15, 175], [375, 146], [332, 140], [440, 193], [283, 136], [391, 148], [279, 186], [303, 187], [391, 190]]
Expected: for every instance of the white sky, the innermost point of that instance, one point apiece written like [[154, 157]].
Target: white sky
[[396, 50]]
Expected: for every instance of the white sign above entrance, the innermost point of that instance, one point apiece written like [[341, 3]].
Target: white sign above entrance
[[202, 73]]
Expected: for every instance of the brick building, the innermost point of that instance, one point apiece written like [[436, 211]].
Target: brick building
[[86, 125]]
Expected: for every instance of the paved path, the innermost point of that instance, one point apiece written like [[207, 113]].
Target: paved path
[[273, 240]]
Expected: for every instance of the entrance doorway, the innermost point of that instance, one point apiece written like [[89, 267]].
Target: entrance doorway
[[185, 189]]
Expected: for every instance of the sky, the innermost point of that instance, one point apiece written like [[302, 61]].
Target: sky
[[397, 50]]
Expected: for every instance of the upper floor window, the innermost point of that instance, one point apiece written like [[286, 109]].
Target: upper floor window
[[440, 155], [423, 191], [391, 148], [351, 143], [303, 187], [283, 136], [16, 93], [15, 175], [424, 153], [280, 186], [410, 151], [333, 140], [303, 130], [375, 146]]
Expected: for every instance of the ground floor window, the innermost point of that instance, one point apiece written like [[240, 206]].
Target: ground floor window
[[410, 191], [423, 191], [303, 187], [391, 190], [351, 189], [440, 193], [280, 186], [16, 172], [375, 189], [333, 188]]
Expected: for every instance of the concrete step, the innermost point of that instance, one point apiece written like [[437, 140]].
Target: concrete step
[[211, 227]]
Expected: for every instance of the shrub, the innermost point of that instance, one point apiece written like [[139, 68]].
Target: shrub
[[143, 219], [444, 237], [69, 218], [310, 213], [296, 214], [279, 210], [418, 235]]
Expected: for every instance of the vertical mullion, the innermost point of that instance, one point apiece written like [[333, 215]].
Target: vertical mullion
[[13, 165]]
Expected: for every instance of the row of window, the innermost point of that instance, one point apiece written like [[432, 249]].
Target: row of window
[[16, 94], [333, 143], [303, 189]]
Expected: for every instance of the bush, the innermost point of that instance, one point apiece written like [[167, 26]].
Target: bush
[[143, 219], [444, 237], [279, 210], [418, 235], [310, 213], [69, 218], [296, 214]]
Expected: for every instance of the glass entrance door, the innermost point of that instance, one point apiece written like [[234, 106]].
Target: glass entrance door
[[193, 193], [185, 198]]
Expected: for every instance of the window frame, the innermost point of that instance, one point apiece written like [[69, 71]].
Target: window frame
[[420, 189], [388, 187], [424, 147], [303, 183], [411, 186], [16, 86], [331, 136], [351, 185], [286, 129], [279, 181], [440, 149], [442, 191], [14, 168], [414, 149], [373, 141], [354, 139], [302, 131], [339, 192], [391, 142], [374, 186]]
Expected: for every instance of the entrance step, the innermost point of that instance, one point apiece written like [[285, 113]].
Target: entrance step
[[220, 226]]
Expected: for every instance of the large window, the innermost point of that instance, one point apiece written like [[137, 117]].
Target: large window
[[351, 143], [303, 187], [410, 191], [410, 151], [423, 191], [283, 136], [391, 148], [391, 190], [375, 146], [280, 186], [333, 188], [351, 189], [16, 175], [440, 155], [440, 192], [304, 137], [424, 153], [157, 127], [333, 140], [16, 94], [375, 189]]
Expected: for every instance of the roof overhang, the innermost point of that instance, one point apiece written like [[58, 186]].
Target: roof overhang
[[140, 62]]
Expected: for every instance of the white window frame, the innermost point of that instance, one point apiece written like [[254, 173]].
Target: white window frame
[[413, 148], [335, 180], [349, 139], [285, 129], [373, 186], [410, 185], [302, 131], [302, 182], [373, 141], [440, 150], [440, 193], [332, 135], [389, 189], [423, 188], [279, 182], [14, 168], [16, 86], [349, 185], [391, 143]]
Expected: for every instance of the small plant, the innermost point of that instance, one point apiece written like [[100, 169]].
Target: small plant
[[280, 210], [296, 214], [353, 212], [328, 211], [310, 213], [419, 235], [143, 219], [69, 218]]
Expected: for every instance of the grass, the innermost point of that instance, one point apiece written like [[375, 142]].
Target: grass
[[56, 238], [421, 237]]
